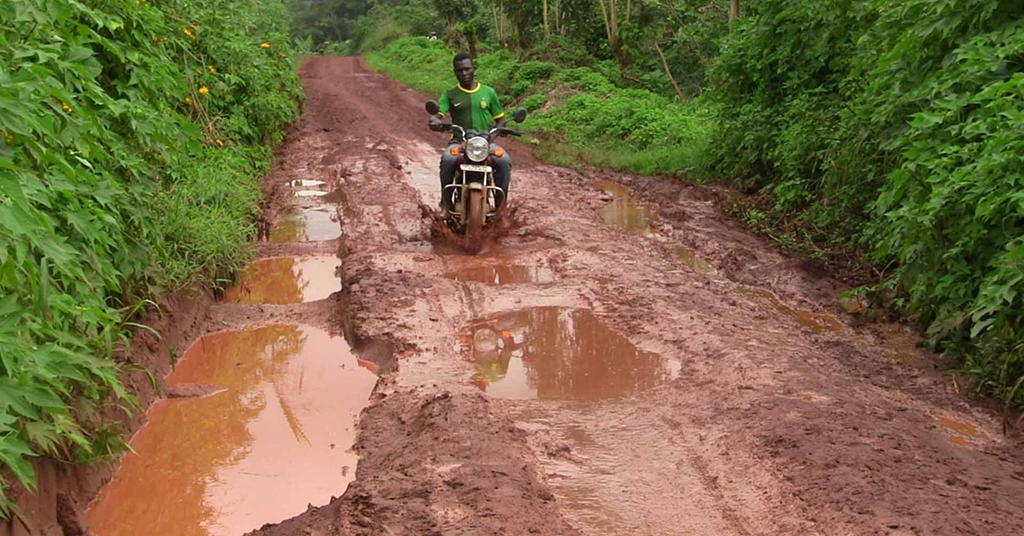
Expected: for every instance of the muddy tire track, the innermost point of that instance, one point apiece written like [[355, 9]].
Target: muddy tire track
[[781, 416]]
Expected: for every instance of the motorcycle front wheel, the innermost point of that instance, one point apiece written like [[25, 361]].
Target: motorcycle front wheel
[[476, 213]]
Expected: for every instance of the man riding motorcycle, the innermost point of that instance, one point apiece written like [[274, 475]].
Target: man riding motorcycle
[[472, 106]]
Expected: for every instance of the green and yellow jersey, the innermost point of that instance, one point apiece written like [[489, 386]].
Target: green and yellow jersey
[[477, 109]]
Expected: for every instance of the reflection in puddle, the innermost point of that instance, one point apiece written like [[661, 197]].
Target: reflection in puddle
[[690, 259], [307, 225], [310, 193], [816, 322], [308, 184], [276, 438], [504, 275], [558, 353], [285, 280], [960, 432], [623, 212]]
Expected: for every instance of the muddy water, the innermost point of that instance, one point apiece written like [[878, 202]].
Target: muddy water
[[560, 354], [622, 211], [503, 275], [275, 438], [286, 280], [311, 224], [308, 184], [960, 432], [816, 322]]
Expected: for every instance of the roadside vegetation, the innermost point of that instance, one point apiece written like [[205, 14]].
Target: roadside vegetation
[[133, 136], [885, 136]]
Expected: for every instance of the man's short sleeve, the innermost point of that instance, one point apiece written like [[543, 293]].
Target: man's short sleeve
[[444, 104], [495, 106]]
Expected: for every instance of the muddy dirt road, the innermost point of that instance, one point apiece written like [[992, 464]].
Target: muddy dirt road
[[616, 364]]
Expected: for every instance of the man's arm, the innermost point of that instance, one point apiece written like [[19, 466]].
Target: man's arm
[[434, 122], [444, 105], [496, 112]]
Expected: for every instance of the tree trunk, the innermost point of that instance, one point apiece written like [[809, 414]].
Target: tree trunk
[[497, 26], [734, 13], [547, 29], [668, 71]]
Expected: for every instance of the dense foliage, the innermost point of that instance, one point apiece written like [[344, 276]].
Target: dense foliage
[[133, 137], [909, 117]]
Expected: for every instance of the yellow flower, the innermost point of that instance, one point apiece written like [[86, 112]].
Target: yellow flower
[[219, 143], [189, 33], [67, 108], [212, 70], [7, 137], [204, 90], [199, 71], [188, 100], [264, 45]]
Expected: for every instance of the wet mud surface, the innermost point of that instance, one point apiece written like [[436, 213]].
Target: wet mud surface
[[647, 365], [623, 359]]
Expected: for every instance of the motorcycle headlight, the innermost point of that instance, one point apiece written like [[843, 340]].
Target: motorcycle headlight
[[477, 149]]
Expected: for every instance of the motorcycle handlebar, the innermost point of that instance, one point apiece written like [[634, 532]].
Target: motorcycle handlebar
[[495, 132]]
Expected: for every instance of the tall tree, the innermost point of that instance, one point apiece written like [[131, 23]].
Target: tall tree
[[614, 17]]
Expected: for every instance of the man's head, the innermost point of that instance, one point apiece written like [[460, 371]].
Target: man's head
[[464, 69]]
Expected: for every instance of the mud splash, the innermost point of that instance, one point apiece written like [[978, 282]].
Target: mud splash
[[622, 211], [275, 438], [506, 220], [313, 224], [286, 280], [558, 354], [503, 275], [816, 322]]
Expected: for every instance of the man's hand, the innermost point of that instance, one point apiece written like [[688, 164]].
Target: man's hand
[[435, 124]]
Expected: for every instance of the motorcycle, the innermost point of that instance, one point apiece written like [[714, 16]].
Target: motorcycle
[[474, 195]]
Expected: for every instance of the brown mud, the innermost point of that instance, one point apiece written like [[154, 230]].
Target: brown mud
[[622, 359], [669, 374]]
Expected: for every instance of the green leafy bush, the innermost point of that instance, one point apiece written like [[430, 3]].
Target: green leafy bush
[[133, 138], [907, 116]]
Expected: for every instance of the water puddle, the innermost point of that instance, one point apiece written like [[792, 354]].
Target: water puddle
[[286, 280], [307, 225], [309, 193], [960, 432], [559, 354], [689, 258], [274, 439], [308, 184], [623, 212], [816, 322], [503, 275]]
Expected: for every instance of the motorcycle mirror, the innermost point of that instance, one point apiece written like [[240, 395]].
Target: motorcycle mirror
[[432, 107], [519, 116]]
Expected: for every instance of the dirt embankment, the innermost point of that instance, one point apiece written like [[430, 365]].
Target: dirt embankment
[[58, 508]]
